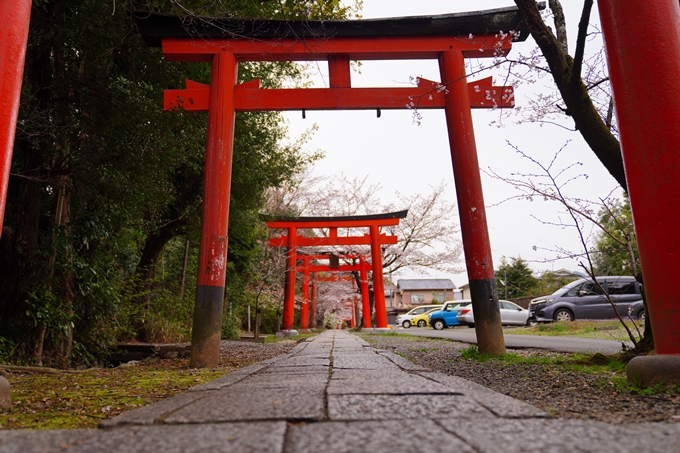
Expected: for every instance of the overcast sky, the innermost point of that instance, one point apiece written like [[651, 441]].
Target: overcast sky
[[404, 156]]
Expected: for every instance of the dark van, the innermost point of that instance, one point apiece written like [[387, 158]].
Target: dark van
[[583, 299]]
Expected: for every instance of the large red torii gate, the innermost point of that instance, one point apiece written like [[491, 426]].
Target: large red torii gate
[[292, 241], [224, 43]]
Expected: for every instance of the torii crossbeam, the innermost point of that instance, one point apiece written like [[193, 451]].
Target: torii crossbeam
[[226, 42]]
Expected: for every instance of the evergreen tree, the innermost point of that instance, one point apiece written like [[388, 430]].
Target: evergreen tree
[[514, 278]]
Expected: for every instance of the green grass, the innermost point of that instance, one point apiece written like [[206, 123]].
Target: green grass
[[602, 330]]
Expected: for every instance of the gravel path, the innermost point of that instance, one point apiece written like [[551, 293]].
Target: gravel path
[[562, 393]]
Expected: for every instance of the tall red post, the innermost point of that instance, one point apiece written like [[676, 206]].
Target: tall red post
[[647, 99], [212, 258], [289, 296], [313, 307], [304, 307], [16, 16], [378, 280], [471, 208], [365, 302]]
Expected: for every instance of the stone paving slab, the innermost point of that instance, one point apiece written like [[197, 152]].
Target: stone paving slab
[[567, 436], [401, 407], [239, 404], [373, 437], [284, 370], [362, 361], [299, 380], [382, 382], [262, 437], [155, 413], [301, 361]]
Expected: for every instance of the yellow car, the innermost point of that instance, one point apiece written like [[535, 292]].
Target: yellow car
[[421, 320]]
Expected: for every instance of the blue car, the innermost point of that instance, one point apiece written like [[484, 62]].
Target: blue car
[[446, 317]]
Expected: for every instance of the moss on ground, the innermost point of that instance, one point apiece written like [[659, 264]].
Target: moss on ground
[[70, 400]]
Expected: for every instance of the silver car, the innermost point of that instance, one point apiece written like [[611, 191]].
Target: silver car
[[511, 315], [584, 299]]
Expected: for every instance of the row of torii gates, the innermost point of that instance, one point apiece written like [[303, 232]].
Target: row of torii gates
[[644, 85], [374, 238]]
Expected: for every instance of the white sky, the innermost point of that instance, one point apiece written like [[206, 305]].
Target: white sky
[[407, 157]]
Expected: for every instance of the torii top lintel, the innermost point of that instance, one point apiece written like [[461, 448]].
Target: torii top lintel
[[245, 34], [475, 34], [351, 221]]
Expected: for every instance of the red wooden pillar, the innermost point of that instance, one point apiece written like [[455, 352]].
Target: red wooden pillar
[[212, 258], [289, 297], [304, 307], [471, 204], [13, 39], [365, 302], [647, 98], [378, 281], [313, 307]]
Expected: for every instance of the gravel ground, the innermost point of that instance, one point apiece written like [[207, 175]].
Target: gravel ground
[[244, 353], [562, 393]]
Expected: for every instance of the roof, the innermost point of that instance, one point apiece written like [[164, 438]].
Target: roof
[[155, 26], [426, 284], [369, 217]]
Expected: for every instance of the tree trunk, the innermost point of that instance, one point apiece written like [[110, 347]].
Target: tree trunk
[[145, 273], [184, 267]]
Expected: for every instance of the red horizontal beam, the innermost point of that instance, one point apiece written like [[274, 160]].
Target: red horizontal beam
[[326, 256], [334, 278], [428, 95], [320, 268], [395, 48], [302, 241]]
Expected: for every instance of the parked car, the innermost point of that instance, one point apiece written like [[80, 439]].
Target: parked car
[[422, 320], [405, 319], [583, 299], [446, 317], [511, 315]]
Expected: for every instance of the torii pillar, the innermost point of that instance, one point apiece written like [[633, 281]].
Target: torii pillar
[[644, 82], [471, 208], [16, 15]]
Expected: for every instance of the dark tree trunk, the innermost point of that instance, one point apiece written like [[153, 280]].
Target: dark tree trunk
[[145, 273], [566, 72]]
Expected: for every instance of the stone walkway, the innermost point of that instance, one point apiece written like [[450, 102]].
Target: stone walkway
[[335, 393]]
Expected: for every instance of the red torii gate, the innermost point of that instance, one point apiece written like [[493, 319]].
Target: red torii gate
[[292, 240], [224, 43], [307, 269]]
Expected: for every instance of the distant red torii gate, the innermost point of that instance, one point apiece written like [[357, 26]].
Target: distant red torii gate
[[226, 42], [374, 238], [307, 269]]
